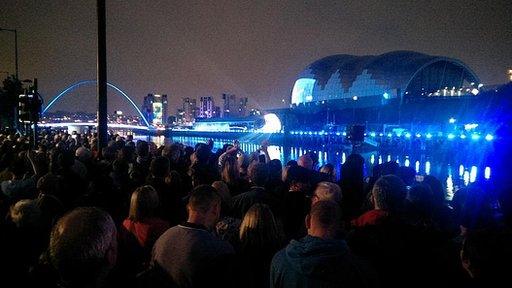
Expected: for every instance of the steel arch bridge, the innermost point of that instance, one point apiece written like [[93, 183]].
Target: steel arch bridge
[[89, 82]]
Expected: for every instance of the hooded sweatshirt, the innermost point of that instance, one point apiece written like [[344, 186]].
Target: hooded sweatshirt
[[316, 262]]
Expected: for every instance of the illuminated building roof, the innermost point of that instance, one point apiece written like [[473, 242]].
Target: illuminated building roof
[[387, 76]]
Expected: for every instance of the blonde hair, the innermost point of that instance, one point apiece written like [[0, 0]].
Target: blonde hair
[[259, 227], [143, 203]]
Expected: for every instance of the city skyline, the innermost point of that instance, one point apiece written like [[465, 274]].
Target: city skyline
[[251, 50]]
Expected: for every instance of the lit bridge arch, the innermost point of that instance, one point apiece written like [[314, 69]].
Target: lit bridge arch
[[88, 82]]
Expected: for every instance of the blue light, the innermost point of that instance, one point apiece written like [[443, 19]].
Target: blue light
[[466, 178], [407, 135], [462, 136], [301, 133], [373, 134], [475, 136], [451, 136], [470, 126], [472, 174], [385, 95], [390, 135], [427, 167], [429, 136], [381, 134], [461, 170], [452, 120], [417, 166], [338, 133], [487, 172], [489, 137], [310, 133], [372, 159], [344, 133], [407, 162], [418, 135]]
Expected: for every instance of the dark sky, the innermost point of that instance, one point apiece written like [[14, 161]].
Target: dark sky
[[249, 48]]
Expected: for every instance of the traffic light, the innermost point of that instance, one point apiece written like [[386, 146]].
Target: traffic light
[[29, 105]]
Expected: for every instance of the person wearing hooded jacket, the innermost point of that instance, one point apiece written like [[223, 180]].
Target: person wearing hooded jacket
[[319, 259]]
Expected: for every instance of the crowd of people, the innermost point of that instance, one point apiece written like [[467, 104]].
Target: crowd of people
[[136, 215]]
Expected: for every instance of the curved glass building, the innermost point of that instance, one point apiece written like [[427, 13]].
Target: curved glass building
[[365, 81]]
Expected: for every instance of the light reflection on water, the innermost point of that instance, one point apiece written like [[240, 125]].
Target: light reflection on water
[[468, 168]]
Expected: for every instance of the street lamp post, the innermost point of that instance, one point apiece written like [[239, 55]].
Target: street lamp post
[[15, 47]]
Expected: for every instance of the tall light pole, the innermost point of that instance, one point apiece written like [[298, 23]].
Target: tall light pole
[[102, 76], [15, 47]]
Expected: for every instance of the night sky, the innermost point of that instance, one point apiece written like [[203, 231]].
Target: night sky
[[249, 48]]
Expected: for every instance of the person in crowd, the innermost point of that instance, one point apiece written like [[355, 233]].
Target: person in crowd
[[201, 170], [485, 255], [388, 197], [26, 240], [227, 228], [296, 200], [275, 184], [142, 227], [48, 200], [230, 173], [258, 177], [407, 174], [420, 207], [189, 254], [260, 238], [327, 191], [83, 248], [22, 185], [442, 213], [399, 251], [329, 171], [319, 259], [352, 186], [305, 161], [170, 205]]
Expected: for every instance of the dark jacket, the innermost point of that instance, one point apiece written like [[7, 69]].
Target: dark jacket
[[316, 262], [241, 203], [191, 256]]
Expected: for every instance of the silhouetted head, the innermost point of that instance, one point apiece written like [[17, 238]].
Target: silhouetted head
[[438, 193], [143, 203], [389, 193], [323, 220], [258, 174], [159, 167], [327, 191], [305, 161], [83, 247], [259, 228], [204, 204]]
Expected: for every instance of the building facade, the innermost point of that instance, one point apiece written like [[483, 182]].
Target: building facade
[[373, 80], [206, 107], [154, 109]]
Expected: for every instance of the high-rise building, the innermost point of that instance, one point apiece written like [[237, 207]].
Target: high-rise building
[[154, 108], [242, 107], [230, 105], [206, 107], [190, 110], [216, 112]]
